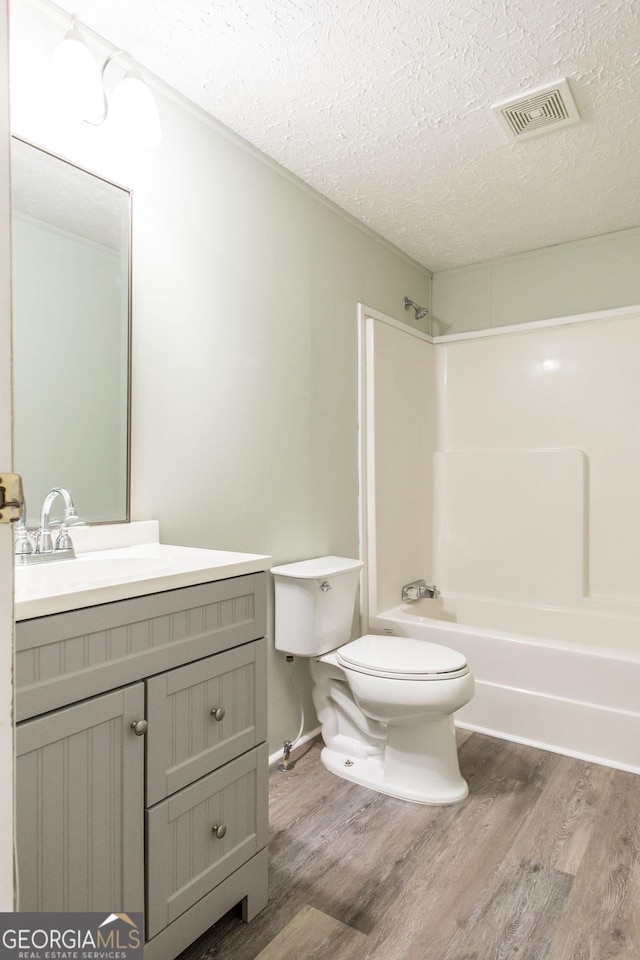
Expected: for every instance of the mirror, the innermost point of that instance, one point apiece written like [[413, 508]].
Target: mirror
[[71, 333]]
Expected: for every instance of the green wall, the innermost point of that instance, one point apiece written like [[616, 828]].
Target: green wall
[[601, 273]]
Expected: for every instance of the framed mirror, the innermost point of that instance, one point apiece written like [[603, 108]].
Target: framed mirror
[[71, 284]]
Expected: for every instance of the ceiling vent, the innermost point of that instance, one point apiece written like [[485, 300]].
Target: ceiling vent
[[537, 111]]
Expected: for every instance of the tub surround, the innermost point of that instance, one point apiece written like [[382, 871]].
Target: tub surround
[[511, 524], [504, 465], [522, 516]]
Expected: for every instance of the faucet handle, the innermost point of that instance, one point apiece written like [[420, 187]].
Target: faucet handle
[[24, 543], [429, 590], [63, 540]]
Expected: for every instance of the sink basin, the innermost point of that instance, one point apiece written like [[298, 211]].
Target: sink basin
[[104, 576], [110, 568], [84, 572]]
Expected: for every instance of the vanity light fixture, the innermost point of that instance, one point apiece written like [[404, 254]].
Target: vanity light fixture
[[78, 79]]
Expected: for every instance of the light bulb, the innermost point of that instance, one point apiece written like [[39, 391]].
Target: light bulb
[[133, 111], [74, 76]]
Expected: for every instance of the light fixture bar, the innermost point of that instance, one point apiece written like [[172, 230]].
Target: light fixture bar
[[80, 82]]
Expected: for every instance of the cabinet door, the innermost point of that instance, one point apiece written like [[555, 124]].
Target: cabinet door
[[80, 824], [203, 715], [186, 858]]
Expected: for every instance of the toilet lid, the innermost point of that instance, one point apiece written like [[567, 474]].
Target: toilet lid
[[402, 658]]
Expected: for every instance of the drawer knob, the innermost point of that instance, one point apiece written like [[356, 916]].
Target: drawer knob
[[139, 727], [218, 712], [219, 829]]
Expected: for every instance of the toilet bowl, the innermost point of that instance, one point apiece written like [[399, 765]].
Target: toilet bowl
[[385, 703]]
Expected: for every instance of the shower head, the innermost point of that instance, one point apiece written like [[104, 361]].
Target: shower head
[[421, 312]]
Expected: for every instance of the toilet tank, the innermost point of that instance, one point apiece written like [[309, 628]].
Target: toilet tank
[[315, 601]]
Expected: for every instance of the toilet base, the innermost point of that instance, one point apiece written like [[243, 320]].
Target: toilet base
[[371, 772]]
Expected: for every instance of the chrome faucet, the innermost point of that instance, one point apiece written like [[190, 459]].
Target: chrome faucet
[[41, 547], [63, 541], [418, 590]]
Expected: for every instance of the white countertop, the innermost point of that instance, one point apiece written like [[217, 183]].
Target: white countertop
[[121, 572]]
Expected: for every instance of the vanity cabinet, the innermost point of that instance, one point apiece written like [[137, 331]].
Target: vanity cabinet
[[167, 816]]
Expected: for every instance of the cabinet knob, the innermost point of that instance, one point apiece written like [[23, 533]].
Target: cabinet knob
[[218, 712], [139, 727], [219, 830]]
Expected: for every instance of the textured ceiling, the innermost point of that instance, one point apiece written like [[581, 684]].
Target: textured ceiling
[[384, 107]]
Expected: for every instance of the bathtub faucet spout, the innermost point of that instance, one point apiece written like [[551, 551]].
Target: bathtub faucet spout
[[417, 590]]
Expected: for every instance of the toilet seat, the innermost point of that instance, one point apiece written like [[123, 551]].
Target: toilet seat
[[401, 658]]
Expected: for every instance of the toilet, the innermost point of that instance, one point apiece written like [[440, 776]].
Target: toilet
[[385, 703]]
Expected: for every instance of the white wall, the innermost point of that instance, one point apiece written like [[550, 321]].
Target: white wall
[[245, 293], [571, 278]]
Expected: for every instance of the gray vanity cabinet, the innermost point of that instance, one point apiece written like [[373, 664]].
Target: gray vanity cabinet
[[172, 822], [79, 776]]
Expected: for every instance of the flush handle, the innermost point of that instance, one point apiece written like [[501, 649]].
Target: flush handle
[[325, 586]]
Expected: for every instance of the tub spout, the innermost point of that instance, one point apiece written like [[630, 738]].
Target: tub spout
[[419, 590]]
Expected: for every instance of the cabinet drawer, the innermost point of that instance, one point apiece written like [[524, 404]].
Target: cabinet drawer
[[185, 740], [185, 857]]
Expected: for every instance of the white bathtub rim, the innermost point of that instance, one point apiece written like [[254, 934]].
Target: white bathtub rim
[[402, 615], [615, 607]]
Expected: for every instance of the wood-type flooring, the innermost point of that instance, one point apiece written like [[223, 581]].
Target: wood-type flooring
[[541, 862]]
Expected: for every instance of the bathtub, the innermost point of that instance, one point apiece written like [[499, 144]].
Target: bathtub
[[564, 679]]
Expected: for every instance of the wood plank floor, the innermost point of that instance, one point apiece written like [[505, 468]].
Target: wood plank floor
[[541, 862]]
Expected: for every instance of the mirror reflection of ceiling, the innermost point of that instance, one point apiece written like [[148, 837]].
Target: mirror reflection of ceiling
[[384, 107], [58, 193]]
